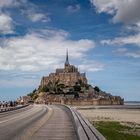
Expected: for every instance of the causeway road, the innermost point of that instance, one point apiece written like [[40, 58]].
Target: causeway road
[[59, 127], [37, 122], [22, 123]]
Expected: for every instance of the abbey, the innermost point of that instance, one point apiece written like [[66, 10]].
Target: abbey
[[67, 76], [69, 86]]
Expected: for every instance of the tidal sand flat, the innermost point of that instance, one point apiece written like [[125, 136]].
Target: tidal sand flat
[[121, 115], [114, 122]]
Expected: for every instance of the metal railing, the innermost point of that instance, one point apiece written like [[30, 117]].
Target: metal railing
[[84, 128], [5, 109]]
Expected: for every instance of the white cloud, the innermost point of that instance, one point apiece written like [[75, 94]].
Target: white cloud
[[107, 6], [126, 11], [15, 83], [122, 50], [27, 8], [8, 3], [31, 12], [6, 24], [12, 78], [126, 52], [134, 39], [41, 50], [73, 8], [133, 54], [91, 66], [35, 16]]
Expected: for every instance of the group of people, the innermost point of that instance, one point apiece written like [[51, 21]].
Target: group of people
[[4, 104]]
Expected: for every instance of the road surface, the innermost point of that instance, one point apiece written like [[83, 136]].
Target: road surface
[[33, 123], [15, 125], [59, 127]]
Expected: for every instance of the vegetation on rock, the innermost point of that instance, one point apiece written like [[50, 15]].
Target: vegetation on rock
[[97, 89], [58, 88], [33, 95]]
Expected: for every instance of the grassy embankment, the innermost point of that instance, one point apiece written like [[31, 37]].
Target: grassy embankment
[[117, 131]]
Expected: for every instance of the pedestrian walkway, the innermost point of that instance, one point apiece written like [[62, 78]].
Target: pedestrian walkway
[[58, 127]]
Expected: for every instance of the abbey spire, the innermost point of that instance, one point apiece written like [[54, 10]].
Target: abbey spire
[[67, 59]]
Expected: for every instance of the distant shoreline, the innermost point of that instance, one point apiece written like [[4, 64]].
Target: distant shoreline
[[131, 102]]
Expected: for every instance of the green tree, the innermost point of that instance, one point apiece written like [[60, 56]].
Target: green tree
[[60, 88], [77, 87], [34, 90], [76, 95], [31, 94], [44, 89], [35, 97], [81, 83], [97, 89], [55, 87]]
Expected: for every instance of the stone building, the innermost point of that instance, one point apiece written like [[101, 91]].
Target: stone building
[[67, 76], [24, 100]]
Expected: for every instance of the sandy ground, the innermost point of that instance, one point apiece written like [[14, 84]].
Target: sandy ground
[[121, 115]]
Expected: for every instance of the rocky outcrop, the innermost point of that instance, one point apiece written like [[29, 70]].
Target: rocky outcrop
[[42, 98], [69, 86]]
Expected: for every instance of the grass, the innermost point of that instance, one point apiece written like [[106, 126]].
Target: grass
[[115, 131]]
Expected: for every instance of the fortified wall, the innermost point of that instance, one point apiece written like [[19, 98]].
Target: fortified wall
[[69, 100]]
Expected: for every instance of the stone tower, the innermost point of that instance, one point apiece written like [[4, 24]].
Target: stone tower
[[67, 59], [68, 75]]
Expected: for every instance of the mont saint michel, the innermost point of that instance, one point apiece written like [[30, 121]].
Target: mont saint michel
[[68, 86], [69, 69], [68, 76]]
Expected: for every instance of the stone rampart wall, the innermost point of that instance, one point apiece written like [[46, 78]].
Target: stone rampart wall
[[84, 102]]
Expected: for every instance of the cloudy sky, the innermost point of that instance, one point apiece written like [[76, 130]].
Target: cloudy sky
[[102, 36]]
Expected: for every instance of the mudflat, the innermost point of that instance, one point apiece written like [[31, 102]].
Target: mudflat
[[111, 113]]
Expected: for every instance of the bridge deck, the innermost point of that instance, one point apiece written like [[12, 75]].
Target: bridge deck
[[58, 127]]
